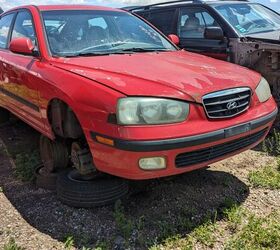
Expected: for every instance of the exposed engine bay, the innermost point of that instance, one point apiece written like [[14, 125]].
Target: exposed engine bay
[[262, 55]]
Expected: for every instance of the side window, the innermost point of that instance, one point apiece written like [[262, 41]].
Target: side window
[[192, 23], [163, 20], [5, 23], [24, 27]]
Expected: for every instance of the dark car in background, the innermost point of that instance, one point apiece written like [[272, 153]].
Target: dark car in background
[[241, 32]]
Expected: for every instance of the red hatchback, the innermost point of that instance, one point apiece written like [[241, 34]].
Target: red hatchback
[[111, 94]]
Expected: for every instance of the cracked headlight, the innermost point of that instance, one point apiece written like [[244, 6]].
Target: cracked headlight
[[263, 90], [146, 110]]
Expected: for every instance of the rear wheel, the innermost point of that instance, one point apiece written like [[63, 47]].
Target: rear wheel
[[76, 190]]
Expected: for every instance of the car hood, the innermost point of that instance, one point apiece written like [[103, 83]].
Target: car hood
[[273, 37], [178, 74]]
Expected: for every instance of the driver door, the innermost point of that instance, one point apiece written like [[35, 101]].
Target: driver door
[[191, 26], [19, 83]]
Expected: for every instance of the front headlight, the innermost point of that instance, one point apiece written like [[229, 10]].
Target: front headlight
[[263, 90], [146, 110]]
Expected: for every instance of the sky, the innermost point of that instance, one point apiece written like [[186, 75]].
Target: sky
[[7, 4]]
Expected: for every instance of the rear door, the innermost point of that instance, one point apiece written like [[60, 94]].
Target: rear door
[[192, 22]]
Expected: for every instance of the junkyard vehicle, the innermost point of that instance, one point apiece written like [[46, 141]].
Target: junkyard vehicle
[[110, 94], [241, 32]]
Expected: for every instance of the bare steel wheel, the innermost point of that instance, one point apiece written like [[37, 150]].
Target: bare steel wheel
[[54, 154]]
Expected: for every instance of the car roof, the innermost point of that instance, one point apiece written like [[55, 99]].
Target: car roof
[[68, 7], [184, 2]]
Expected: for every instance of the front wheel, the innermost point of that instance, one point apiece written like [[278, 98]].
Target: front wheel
[[77, 191]]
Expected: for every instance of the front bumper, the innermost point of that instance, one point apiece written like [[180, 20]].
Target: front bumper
[[123, 158], [159, 145]]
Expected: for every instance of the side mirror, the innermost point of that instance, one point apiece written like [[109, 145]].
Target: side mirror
[[214, 33], [173, 38], [22, 45]]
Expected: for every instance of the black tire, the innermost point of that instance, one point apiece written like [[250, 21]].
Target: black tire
[[74, 192], [4, 115], [44, 179], [138, 187]]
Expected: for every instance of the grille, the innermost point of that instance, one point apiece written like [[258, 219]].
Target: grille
[[211, 153], [227, 103]]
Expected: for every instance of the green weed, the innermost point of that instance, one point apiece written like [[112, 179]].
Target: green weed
[[124, 224], [25, 165], [258, 234], [69, 242], [268, 177], [271, 144], [234, 217], [12, 245]]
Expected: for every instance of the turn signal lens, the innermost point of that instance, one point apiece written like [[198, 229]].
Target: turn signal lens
[[105, 140]]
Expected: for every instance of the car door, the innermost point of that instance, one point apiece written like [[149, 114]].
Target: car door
[[19, 80], [5, 25], [191, 27]]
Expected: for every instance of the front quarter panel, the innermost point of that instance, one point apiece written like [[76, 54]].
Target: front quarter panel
[[91, 102]]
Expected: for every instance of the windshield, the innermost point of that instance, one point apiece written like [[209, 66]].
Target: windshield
[[249, 19], [91, 32]]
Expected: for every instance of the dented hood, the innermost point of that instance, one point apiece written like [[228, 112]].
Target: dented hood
[[178, 74]]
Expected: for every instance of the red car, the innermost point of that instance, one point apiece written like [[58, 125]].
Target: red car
[[111, 94]]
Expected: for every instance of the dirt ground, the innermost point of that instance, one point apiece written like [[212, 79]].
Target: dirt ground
[[37, 220]]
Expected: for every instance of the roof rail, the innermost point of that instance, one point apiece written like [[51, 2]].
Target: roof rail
[[131, 7], [146, 7]]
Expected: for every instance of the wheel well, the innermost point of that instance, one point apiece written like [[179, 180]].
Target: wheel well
[[63, 120]]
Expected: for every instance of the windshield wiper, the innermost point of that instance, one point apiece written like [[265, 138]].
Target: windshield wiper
[[115, 52], [89, 54], [85, 54], [138, 49]]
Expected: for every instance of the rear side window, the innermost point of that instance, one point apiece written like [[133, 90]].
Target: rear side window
[[192, 22], [5, 23], [163, 20]]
